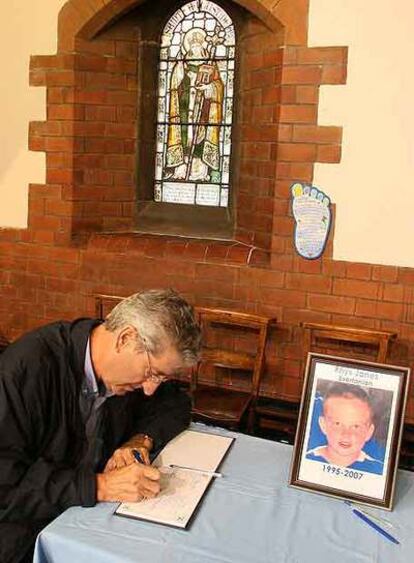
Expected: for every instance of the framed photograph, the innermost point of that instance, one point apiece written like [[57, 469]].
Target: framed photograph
[[349, 429]]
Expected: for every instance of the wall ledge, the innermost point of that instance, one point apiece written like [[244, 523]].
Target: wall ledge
[[226, 252]]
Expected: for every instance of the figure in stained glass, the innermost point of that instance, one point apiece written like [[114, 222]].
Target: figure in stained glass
[[195, 105], [195, 110]]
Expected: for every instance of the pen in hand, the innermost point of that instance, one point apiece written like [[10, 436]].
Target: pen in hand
[[138, 457]]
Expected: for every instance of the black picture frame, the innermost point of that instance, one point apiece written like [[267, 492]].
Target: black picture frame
[[349, 429]]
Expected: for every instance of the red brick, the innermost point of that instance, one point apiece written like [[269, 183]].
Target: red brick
[[301, 74], [272, 58], [328, 153], [366, 308], [218, 273], [332, 303], [42, 222], [120, 130], [126, 49], [62, 144], [406, 276], [297, 316], [287, 94], [358, 271], [104, 80], [334, 268], [334, 74], [317, 134], [58, 112], [354, 288], [92, 96], [269, 278], [257, 150], [283, 297], [309, 283], [100, 113], [91, 62], [253, 61], [40, 128], [301, 171], [307, 266], [393, 292], [385, 273], [306, 95], [390, 311], [216, 252], [238, 254], [298, 113], [263, 114], [299, 152], [321, 55], [60, 208]]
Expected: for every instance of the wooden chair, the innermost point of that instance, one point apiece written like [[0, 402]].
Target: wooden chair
[[376, 340], [225, 384], [279, 417], [104, 304], [3, 342]]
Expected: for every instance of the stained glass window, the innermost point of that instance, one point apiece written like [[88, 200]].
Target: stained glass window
[[195, 106]]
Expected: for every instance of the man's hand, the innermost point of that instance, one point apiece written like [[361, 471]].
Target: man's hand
[[129, 484], [124, 456]]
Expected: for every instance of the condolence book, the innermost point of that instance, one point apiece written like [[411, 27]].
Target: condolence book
[[181, 489]]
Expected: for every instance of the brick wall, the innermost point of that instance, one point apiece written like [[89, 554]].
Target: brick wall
[[52, 269]]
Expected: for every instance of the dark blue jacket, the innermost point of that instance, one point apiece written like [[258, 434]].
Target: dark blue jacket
[[43, 464]]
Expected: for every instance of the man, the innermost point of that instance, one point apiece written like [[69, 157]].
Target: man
[[347, 422], [72, 393]]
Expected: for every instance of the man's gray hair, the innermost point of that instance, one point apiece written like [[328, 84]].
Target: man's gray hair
[[161, 318]]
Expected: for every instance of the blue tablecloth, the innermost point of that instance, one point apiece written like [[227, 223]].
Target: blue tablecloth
[[250, 515]]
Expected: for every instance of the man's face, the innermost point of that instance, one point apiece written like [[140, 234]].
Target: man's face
[[132, 369], [347, 424]]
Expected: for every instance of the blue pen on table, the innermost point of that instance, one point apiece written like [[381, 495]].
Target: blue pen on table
[[373, 525]]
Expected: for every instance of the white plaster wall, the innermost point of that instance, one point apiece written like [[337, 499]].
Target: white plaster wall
[[29, 27], [373, 185]]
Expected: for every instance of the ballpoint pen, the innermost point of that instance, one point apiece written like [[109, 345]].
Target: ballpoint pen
[[373, 525], [137, 456], [374, 517], [195, 470]]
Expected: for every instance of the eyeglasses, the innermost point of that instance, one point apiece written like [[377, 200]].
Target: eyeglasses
[[156, 378]]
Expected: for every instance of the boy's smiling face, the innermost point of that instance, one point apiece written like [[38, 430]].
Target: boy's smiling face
[[347, 424]]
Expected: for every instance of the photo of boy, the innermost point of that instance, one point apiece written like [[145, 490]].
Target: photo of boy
[[344, 421]]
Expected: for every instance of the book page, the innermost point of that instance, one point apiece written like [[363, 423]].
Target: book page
[[181, 490], [194, 449]]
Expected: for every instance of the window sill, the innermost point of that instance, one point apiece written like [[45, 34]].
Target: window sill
[[180, 247], [192, 221]]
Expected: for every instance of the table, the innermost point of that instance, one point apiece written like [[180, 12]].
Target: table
[[248, 516]]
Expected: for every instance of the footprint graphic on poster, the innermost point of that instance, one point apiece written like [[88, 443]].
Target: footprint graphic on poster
[[312, 213]]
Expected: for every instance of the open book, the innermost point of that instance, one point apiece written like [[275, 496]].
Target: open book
[[181, 489]]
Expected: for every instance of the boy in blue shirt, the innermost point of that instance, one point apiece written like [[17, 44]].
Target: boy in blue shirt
[[347, 422]]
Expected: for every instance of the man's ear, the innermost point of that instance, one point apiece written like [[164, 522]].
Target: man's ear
[[125, 336], [322, 424]]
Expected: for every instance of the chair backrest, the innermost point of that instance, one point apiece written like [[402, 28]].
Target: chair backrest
[[365, 341], [105, 303], [3, 342], [233, 347]]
